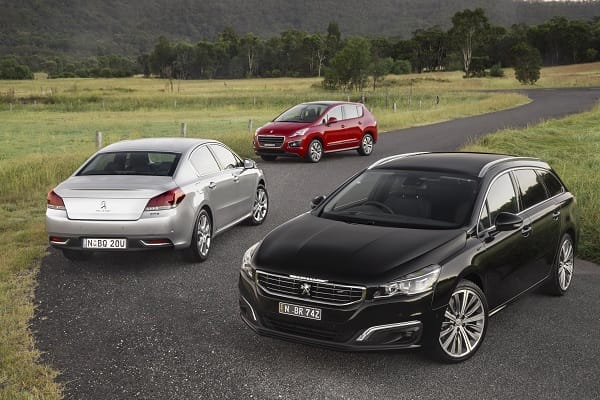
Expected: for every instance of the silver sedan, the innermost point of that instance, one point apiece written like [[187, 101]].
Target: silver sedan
[[153, 193]]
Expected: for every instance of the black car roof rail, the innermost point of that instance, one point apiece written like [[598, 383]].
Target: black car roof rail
[[395, 157], [491, 164]]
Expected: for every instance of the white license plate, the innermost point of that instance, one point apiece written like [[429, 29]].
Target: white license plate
[[269, 145], [300, 311], [98, 243]]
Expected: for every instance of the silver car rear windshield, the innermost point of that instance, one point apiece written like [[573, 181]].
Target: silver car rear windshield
[[405, 198], [151, 163]]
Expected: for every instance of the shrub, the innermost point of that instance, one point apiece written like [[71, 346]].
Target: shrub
[[496, 71]]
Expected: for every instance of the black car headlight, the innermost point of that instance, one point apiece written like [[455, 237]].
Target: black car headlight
[[417, 282], [247, 266]]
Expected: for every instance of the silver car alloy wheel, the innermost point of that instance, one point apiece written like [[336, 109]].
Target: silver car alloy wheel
[[261, 204], [316, 150], [565, 264], [367, 144], [203, 235], [463, 324]]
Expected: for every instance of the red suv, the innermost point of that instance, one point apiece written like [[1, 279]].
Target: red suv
[[311, 129]]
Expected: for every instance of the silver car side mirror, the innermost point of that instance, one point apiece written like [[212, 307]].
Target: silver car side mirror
[[248, 164]]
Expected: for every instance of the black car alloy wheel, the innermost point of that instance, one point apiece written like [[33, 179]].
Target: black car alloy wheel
[[464, 324]]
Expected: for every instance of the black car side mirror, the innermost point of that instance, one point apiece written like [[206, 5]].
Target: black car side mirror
[[314, 203], [506, 221], [249, 164]]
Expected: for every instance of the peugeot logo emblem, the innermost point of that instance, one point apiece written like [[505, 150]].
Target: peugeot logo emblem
[[103, 205], [305, 287]]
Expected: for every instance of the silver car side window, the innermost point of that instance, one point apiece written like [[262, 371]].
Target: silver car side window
[[226, 158], [203, 161]]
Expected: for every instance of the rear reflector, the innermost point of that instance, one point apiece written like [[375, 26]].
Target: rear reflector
[[166, 200], [58, 240], [156, 242], [54, 201]]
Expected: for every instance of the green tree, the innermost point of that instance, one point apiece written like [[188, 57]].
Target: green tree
[[333, 40], [162, 58], [250, 47], [527, 63], [429, 48], [469, 30], [380, 68], [11, 69], [316, 46], [207, 58], [350, 66]]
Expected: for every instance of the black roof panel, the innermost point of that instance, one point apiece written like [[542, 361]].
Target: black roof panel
[[461, 163]]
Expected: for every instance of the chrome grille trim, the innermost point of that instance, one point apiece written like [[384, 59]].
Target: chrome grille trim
[[334, 294], [276, 142]]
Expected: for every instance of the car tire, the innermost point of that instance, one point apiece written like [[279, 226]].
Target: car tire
[[458, 338], [76, 255], [268, 158], [315, 151], [260, 207], [201, 238], [366, 145], [562, 271]]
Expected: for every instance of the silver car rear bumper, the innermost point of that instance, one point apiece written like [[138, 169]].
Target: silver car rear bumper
[[169, 225]]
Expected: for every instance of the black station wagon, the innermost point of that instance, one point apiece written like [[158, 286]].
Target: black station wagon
[[416, 250]]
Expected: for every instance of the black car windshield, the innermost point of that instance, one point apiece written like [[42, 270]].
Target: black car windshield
[[405, 198], [132, 163], [302, 113]]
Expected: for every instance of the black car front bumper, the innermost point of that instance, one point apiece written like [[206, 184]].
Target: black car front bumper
[[386, 324]]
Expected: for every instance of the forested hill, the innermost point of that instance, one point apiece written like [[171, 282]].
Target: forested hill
[[132, 26]]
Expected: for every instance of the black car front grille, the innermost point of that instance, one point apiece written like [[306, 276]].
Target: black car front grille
[[270, 141], [310, 290], [322, 333]]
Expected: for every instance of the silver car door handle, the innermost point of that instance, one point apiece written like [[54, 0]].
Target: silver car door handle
[[212, 185], [555, 215], [236, 178]]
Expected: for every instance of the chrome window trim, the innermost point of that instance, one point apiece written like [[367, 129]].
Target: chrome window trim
[[368, 332], [513, 180], [309, 299]]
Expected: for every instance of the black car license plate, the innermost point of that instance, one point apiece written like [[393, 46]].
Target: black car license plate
[[300, 311]]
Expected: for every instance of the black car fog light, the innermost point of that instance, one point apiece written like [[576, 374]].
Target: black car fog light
[[295, 144]]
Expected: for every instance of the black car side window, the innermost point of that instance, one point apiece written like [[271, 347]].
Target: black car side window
[[531, 187], [500, 198], [553, 185]]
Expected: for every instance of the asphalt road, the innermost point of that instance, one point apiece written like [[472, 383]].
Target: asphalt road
[[150, 325]]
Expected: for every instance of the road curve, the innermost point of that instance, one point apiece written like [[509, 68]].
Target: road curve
[[151, 325]]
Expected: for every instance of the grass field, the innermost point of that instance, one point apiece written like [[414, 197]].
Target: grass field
[[48, 128], [572, 147]]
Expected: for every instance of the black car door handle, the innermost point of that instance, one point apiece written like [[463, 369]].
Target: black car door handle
[[555, 215], [212, 185], [526, 230]]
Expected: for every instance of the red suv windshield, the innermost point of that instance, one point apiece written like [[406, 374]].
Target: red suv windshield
[[302, 113]]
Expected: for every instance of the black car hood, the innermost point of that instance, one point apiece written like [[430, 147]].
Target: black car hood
[[338, 251]]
